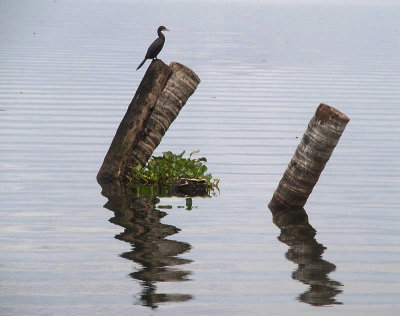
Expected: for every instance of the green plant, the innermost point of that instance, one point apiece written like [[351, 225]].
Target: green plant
[[169, 167]]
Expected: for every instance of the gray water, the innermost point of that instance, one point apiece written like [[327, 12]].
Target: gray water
[[67, 75]]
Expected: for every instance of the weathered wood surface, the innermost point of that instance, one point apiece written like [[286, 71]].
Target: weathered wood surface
[[313, 152], [146, 96], [160, 96], [177, 91]]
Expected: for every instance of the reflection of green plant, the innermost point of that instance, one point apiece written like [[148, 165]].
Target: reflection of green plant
[[189, 205], [170, 167], [150, 190]]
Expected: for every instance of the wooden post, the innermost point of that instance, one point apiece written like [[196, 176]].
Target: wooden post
[[145, 98], [159, 98], [177, 91], [313, 152]]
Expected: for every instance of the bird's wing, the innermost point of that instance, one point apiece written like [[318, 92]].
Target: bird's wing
[[155, 48]]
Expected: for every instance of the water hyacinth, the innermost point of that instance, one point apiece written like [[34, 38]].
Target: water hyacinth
[[165, 169]]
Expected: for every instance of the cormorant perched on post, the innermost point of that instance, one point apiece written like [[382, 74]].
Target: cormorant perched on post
[[156, 47]]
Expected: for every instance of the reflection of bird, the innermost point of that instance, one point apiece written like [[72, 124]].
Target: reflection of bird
[[156, 47]]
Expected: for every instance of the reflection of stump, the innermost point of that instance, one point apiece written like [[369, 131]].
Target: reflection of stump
[[160, 96], [157, 255], [306, 252], [313, 152]]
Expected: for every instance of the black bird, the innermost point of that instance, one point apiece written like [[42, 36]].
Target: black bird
[[156, 47]]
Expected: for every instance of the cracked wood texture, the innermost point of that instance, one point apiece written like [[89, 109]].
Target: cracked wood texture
[[312, 154], [161, 95]]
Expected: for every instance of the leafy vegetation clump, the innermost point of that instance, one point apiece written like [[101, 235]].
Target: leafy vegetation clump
[[170, 167]]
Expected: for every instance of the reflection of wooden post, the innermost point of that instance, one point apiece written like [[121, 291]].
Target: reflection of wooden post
[[313, 152], [160, 96], [305, 251], [157, 255]]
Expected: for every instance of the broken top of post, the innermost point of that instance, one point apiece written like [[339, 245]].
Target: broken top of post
[[315, 149]]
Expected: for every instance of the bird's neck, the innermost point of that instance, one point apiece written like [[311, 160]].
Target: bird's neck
[[160, 35]]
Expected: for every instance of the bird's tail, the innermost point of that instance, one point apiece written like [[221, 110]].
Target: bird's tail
[[141, 64]]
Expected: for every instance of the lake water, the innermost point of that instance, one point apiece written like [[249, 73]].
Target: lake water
[[67, 75]]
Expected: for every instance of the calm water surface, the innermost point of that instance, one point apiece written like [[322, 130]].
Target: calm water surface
[[70, 247]]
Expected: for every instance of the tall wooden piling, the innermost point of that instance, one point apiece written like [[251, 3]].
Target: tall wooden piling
[[160, 96], [177, 91], [315, 149]]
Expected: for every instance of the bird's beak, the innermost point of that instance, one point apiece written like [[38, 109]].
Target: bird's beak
[[166, 30]]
